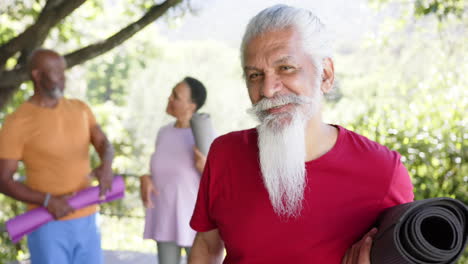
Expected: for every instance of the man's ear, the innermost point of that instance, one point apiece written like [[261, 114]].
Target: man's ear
[[35, 75], [328, 76]]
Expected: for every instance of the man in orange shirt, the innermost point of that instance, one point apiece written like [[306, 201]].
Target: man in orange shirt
[[51, 136]]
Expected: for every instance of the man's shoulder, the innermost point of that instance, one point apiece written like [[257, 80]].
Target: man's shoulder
[[368, 157], [237, 138], [233, 147], [234, 142], [363, 145], [73, 102], [24, 113], [20, 124]]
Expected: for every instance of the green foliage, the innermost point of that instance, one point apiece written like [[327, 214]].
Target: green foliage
[[415, 102], [15, 18], [10, 207], [8, 251], [107, 81], [442, 9], [432, 137], [19, 97], [109, 76], [17, 15], [408, 92]]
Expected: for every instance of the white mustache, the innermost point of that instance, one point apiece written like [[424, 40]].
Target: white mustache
[[260, 107]]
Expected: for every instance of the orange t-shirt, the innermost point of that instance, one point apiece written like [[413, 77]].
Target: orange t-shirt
[[53, 144]]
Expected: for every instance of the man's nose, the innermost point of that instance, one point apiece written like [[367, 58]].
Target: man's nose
[[271, 85], [57, 79]]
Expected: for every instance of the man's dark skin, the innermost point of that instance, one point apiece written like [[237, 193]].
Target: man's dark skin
[[47, 71]]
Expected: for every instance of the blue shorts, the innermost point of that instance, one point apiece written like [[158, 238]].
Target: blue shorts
[[72, 241]]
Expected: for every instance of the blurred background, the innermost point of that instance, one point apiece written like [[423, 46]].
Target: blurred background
[[401, 70]]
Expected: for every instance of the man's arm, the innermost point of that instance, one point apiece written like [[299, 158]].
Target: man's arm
[[14, 189], [57, 206], [207, 248], [106, 153]]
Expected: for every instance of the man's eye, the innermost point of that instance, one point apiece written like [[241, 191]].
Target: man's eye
[[286, 68], [253, 76]]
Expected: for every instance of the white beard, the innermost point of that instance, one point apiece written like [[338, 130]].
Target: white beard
[[282, 156], [55, 93], [282, 150]]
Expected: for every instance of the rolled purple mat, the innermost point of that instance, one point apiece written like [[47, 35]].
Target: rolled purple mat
[[26, 223]]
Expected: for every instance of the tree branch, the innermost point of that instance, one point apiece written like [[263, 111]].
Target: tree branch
[[6, 92], [52, 4], [14, 77], [34, 35], [96, 49], [10, 80]]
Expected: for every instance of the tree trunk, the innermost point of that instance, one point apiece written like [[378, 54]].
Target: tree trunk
[[6, 92]]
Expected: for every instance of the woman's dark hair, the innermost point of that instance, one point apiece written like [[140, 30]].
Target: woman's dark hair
[[197, 90]]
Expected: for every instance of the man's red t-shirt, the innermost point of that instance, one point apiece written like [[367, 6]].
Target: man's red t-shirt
[[347, 188]]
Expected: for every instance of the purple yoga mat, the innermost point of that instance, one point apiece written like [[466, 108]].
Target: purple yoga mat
[[28, 222]]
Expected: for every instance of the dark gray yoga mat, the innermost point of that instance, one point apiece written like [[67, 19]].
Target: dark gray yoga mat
[[203, 131], [431, 231]]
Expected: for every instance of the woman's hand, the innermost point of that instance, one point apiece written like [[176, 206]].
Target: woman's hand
[[147, 189], [200, 160]]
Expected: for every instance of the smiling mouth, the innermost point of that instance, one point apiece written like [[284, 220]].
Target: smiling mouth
[[280, 108]]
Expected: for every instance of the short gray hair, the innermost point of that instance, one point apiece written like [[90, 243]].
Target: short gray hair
[[314, 35]]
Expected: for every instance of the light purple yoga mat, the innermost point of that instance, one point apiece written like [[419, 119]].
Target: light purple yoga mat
[[28, 222]]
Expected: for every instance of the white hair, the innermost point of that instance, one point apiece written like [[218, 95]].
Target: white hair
[[315, 37]]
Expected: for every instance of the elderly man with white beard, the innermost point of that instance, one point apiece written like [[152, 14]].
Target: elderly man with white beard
[[294, 189]]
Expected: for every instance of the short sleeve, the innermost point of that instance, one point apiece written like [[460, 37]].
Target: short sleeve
[[89, 115], [11, 140], [153, 156], [201, 220], [401, 189]]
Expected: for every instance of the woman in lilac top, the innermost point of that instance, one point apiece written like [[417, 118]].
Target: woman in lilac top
[[170, 192]]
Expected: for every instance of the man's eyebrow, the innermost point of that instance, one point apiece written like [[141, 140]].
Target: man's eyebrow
[[284, 59], [251, 68]]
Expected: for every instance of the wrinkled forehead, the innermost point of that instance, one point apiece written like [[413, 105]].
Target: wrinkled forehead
[[282, 45], [47, 61], [54, 63]]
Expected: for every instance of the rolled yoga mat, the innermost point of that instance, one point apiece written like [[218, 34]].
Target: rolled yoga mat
[[26, 223], [203, 131], [426, 231]]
